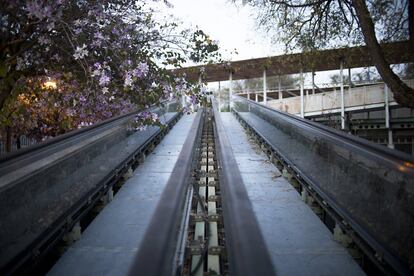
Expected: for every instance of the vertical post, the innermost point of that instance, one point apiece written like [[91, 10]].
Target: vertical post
[[9, 139], [341, 79], [280, 88], [219, 96], [313, 82], [387, 118], [302, 101], [264, 87], [183, 100], [231, 90], [256, 97], [248, 94], [349, 78], [200, 83]]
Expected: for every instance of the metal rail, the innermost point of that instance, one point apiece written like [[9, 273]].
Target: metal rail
[[46, 189], [158, 253], [369, 186], [247, 251]]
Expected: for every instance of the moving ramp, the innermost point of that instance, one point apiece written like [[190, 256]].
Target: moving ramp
[[206, 199]]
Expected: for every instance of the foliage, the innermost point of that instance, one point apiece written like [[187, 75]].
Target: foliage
[[314, 24], [45, 108], [106, 57]]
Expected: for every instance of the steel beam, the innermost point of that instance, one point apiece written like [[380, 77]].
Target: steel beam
[[231, 89], [302, 100], [264, 87], [387, 117], [341, 79]]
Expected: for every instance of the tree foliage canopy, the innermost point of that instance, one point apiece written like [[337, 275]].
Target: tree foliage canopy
[[103, 58], [316, 24]]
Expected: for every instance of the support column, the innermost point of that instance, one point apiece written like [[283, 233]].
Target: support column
[[341, 79], [248, 94], [200, 83], [280, 88], [302, 100], [231, 90], [219, 96], [256, 97], [387, 118], [313, 82], [183, 100], [264, 87], [349, 78]]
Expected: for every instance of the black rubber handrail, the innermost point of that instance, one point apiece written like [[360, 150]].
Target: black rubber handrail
[[366, 146], [246, 249], [156, 255], [73, 134]]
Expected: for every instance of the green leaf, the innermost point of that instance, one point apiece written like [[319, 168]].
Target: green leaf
[[3, 70]]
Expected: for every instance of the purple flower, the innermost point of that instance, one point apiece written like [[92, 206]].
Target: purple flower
[[128, 80], [141, 70], [80, 52], [36, 9], [104, 80]]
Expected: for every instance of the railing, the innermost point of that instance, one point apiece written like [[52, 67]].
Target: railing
[[247, 251], [329, 101], [370, 186], [46, 188], [158, 251], [319, 88], [26, 142]]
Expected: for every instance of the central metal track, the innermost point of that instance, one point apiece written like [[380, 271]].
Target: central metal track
[[206, 240], [204, 223]]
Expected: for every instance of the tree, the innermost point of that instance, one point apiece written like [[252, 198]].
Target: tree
[[314, 24], [409, 71], [104, 56], [336, 79]]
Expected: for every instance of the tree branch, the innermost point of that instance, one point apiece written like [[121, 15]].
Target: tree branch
[[403, 94]]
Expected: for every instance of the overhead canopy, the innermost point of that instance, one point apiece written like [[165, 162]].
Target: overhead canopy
[[398, 52]]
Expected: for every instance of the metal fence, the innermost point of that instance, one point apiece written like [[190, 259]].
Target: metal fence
[[24, 142]]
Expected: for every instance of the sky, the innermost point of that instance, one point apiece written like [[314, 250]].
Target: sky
[[233, 26]]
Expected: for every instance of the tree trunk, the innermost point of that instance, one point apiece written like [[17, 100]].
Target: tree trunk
[[3, 97], [411, 20], [9, 139], [403, 94], [18, 142]]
